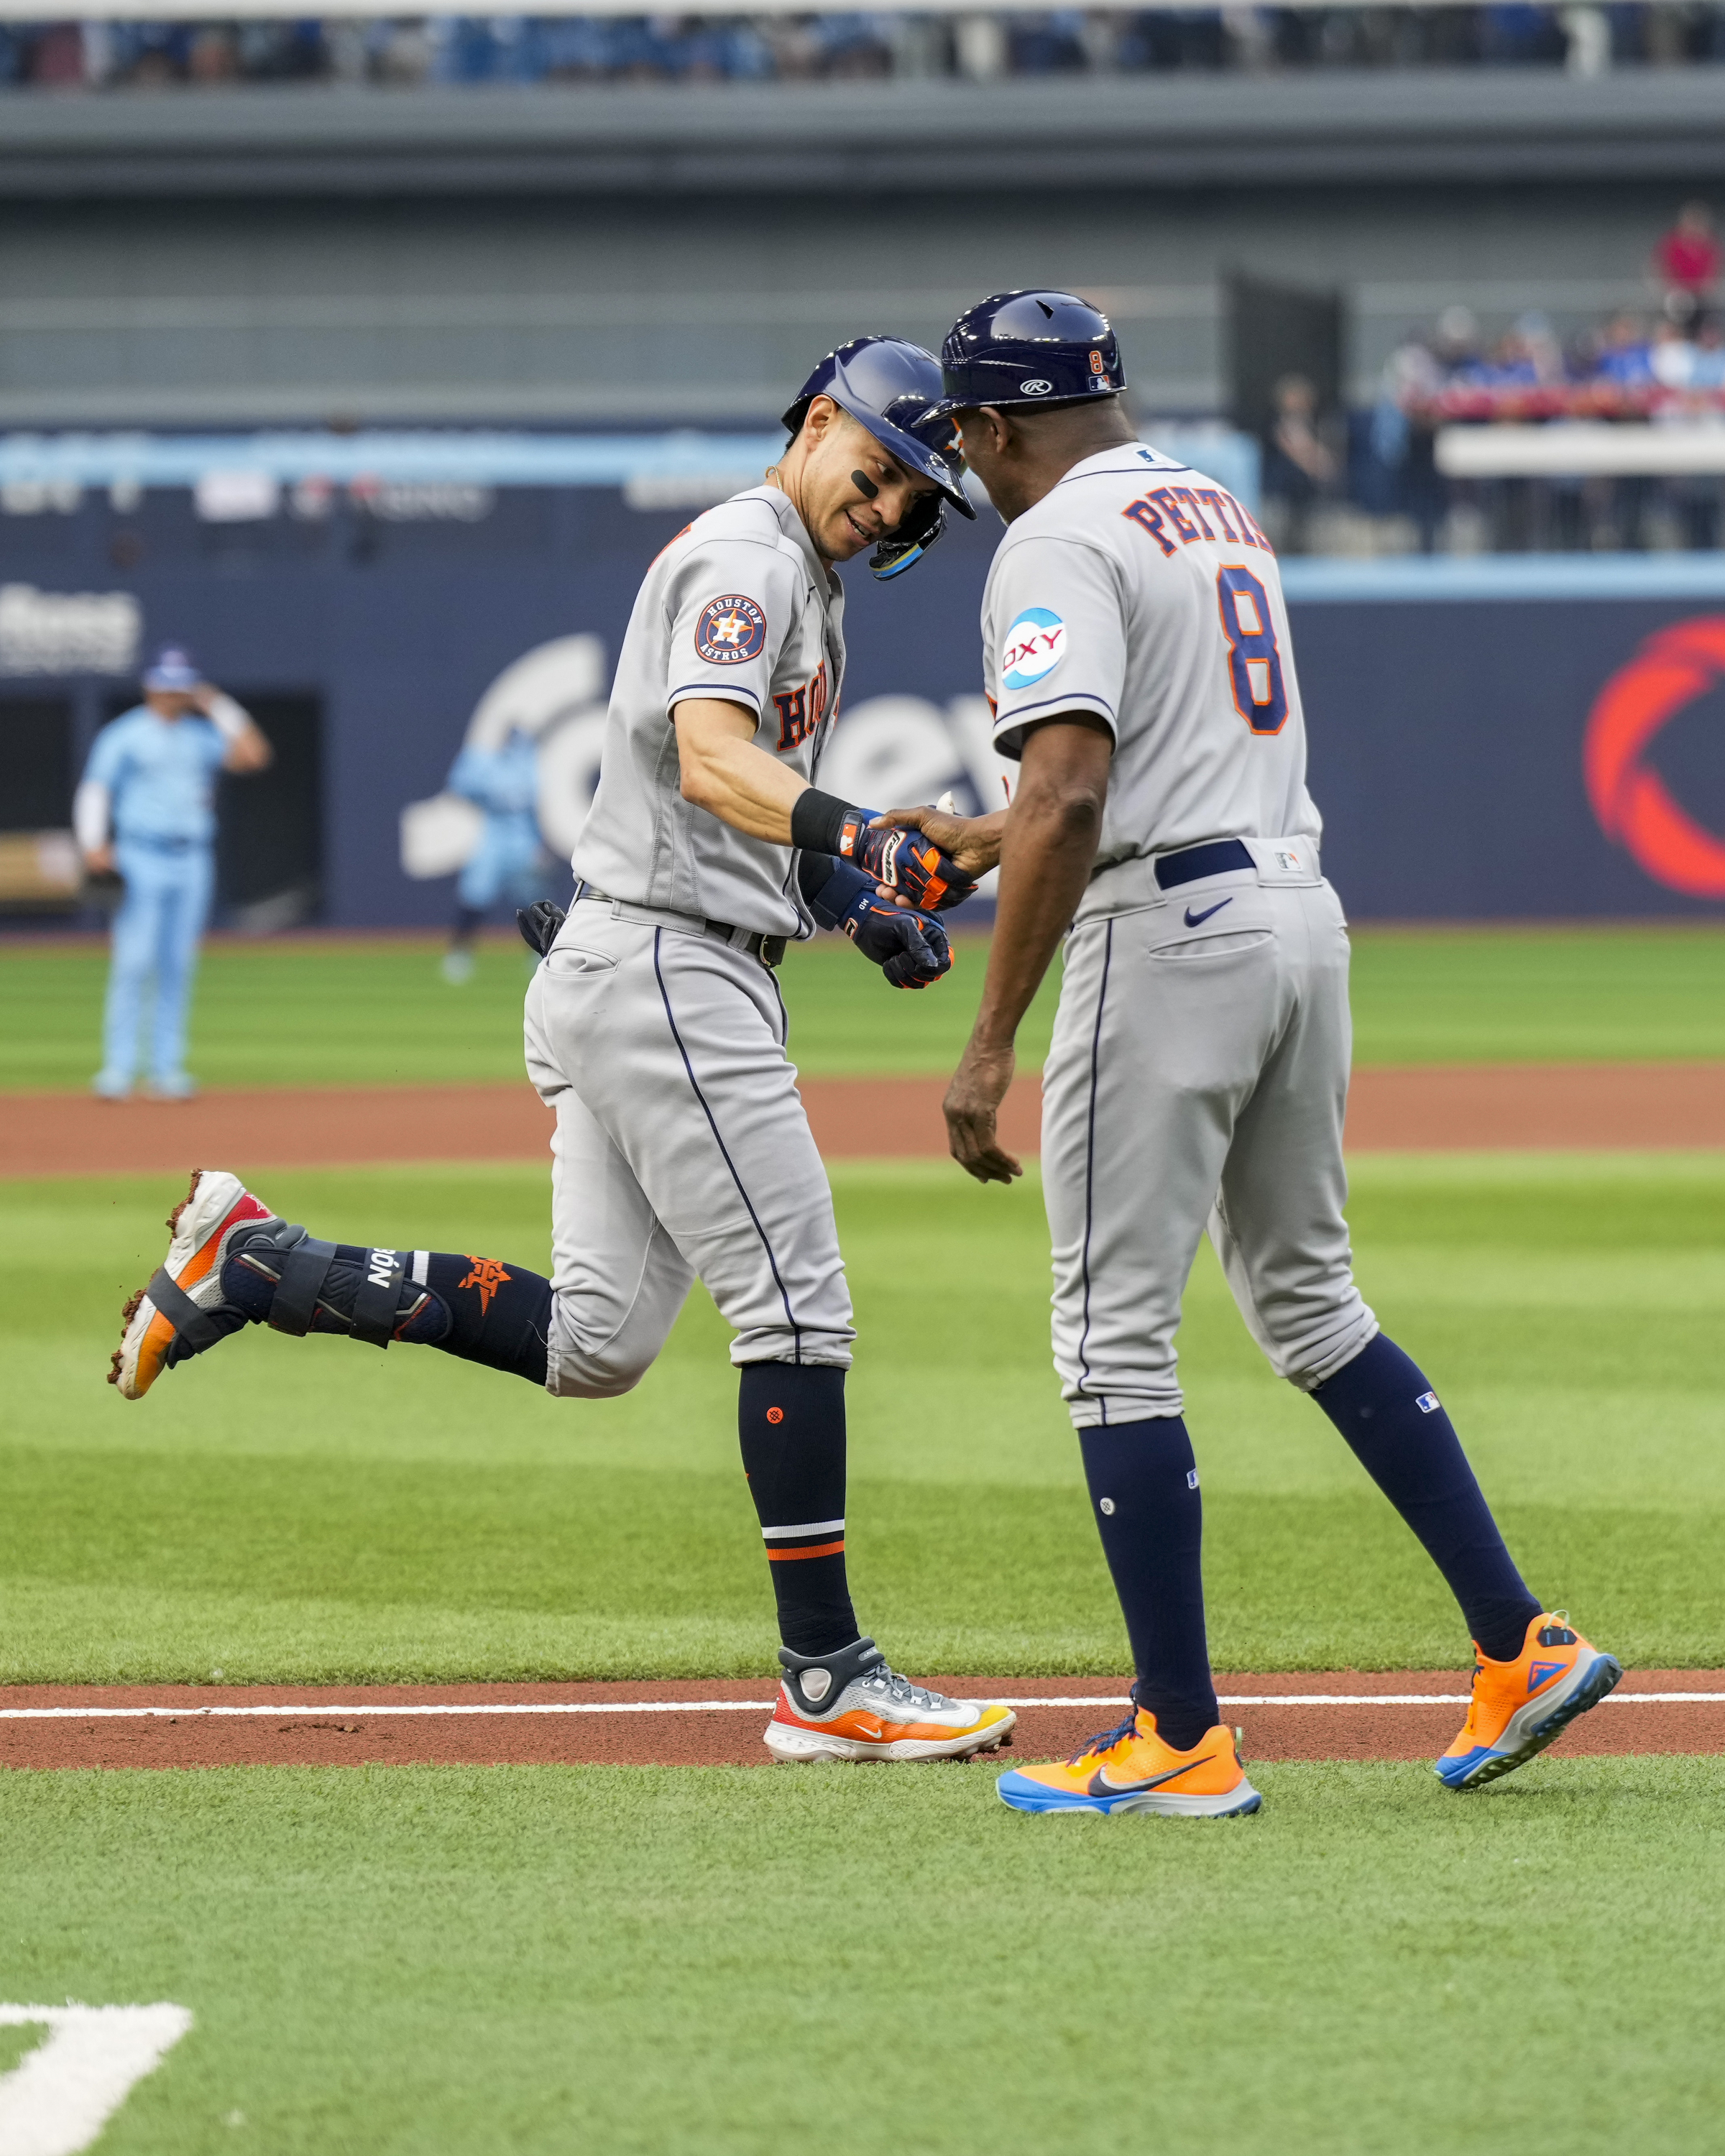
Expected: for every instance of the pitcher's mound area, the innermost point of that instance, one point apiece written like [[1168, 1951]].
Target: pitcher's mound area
[[1400, 1715]]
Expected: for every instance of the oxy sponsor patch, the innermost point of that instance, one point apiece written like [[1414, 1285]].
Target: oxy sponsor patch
[[1035, 645], [731, 630]]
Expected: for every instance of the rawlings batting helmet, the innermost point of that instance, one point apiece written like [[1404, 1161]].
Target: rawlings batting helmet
[[892, 387], [1030, 348]]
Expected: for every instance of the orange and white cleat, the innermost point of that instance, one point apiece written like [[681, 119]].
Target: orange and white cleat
[[183, 1300], [1129, 1768], [852, 1706], [1521, 1707]]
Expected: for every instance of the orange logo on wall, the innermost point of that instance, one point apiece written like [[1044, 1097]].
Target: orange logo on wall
[[1632, 802]]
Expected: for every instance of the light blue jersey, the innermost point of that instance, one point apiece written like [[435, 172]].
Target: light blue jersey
[[160, 776]]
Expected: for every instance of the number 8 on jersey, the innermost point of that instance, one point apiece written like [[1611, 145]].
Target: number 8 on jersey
[[1254, 662]]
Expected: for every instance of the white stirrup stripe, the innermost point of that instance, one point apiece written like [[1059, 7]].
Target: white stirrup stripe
[[808, 1527]]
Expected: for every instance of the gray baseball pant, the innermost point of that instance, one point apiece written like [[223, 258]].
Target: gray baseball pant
[[1198, 1078], [681, 1151]]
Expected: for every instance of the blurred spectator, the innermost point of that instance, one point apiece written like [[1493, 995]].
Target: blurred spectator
[[1300, 466], [1687, 259], [401, 51], [1626, 354]]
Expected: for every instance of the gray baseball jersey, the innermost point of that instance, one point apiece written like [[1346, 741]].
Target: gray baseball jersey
[[682, 1149], [1142, 592], [1197, 1075], [741, 607]]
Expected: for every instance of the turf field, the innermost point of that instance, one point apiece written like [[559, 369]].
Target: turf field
[[284, 1509], [659, 1964], [357, 1015], [458, 1962]]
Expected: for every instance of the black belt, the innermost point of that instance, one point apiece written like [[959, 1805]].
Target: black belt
[[154, 845], [1214, 857], [768, 949]]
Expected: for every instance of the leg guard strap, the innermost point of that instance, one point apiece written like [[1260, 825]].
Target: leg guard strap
[[377, 1303], [195, 1326], [305, 1266]]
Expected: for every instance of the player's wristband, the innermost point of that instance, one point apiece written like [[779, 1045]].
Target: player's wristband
[[227, 718], [823, 823]]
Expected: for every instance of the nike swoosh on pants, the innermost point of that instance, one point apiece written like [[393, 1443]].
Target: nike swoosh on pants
[[1197, 920]]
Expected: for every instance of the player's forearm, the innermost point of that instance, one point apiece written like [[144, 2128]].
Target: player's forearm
[[92, 807], [1049, 845], [244, 745], [724, 772]]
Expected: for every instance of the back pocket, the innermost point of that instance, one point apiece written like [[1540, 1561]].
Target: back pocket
[[1224, 944]]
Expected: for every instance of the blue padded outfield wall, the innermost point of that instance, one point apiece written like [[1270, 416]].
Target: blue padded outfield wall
[[1448, 703]]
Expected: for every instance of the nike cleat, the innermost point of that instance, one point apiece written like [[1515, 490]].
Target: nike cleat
[[1519, 1707], [1129, 1768], [852, 1706], [183, 1301]]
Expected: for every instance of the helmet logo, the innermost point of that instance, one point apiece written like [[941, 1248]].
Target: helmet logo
[[1095, 363], [1035, 387]]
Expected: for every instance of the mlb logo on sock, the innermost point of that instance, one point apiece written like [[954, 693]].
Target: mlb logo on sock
[[1191, 1478], [1427, 1403]]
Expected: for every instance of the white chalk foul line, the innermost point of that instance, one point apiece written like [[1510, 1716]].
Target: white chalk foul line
[[374, 1712]]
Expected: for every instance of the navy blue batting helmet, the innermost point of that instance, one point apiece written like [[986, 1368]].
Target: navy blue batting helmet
[[1030, 348], [891, 386]]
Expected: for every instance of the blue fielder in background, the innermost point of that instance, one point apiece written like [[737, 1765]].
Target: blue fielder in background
[[146, 808], [508, 861]]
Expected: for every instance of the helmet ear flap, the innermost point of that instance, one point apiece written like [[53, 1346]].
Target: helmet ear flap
[[910, 539]]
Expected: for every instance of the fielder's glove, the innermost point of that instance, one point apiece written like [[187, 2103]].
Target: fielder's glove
[[904, 860], [909, 948], [539, 924]]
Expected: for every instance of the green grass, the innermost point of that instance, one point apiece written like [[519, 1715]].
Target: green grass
[[358, 1014], [283, 1509], [725, 1962]]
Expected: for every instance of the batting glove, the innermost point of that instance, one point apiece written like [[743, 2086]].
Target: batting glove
[[912, 949], [904, 862]]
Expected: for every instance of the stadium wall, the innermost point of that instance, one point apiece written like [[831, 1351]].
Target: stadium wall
[[1454, 709]]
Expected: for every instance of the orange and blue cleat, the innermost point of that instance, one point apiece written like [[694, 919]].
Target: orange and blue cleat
[[1519, 1707], [1130, 1770], [183, 1302]]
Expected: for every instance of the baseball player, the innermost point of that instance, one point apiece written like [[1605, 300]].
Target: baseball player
[[502, 783], [145, 806], [1138, 661], [655, 1028]]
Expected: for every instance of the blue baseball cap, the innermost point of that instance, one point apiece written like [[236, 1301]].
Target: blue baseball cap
[[171, 668]]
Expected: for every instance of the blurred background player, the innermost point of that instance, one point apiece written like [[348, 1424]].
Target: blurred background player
[[145, 807], [509, 862]]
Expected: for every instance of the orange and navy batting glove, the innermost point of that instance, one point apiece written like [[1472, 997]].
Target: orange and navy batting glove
[[910, 948], [904, 862]]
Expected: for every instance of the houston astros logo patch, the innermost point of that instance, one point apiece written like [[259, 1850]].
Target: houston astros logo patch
[[1035, 645], [731, 630]]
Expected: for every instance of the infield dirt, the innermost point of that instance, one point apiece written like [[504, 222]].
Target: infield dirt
[[1459, 1107], [704, 1724]]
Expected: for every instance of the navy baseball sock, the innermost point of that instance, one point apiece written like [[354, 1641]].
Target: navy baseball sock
[[1144, 1490], [790, 1417], [1382, 1405], [473, 1307]]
